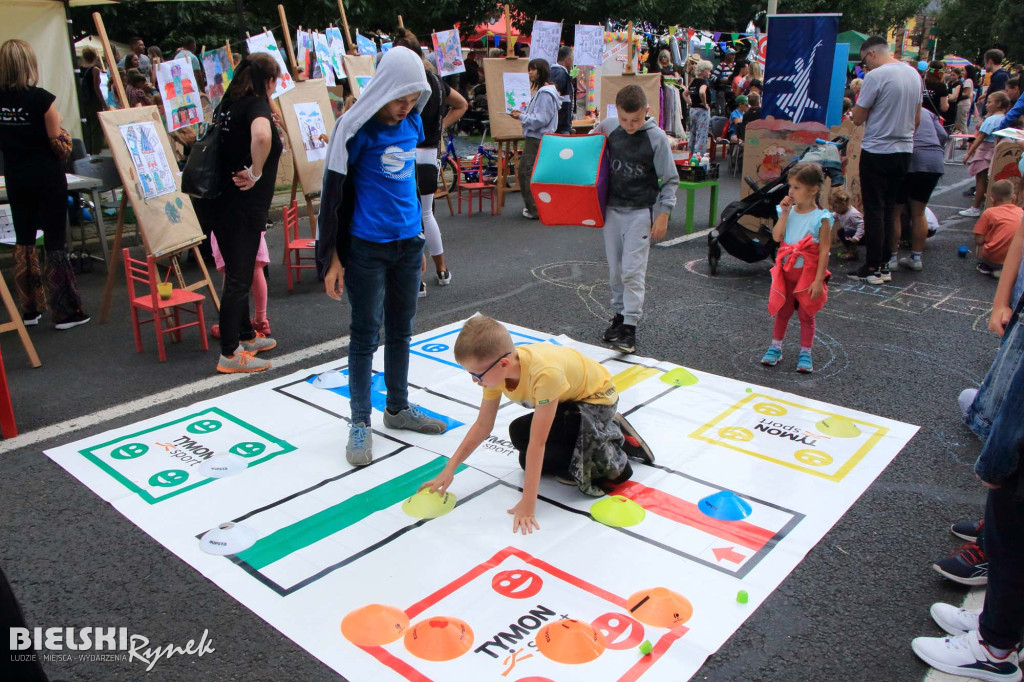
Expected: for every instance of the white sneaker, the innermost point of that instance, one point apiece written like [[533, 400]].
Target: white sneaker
[[911, 264], [970, 212], [966, 399], [953, 620], [423, 290], [444, 278], [966, 656]]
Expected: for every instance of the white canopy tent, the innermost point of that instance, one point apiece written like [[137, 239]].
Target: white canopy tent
[[44, 25]]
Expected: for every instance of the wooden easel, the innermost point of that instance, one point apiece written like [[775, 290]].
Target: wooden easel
[[344, 25], [115, 255], [508, 145], [296, 183], [17, 324]]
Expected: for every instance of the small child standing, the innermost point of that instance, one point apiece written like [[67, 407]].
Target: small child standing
[[574, 432], [983, 148], [996, 227], [798, 277], [641, 194], [848, 224], [259, 285]]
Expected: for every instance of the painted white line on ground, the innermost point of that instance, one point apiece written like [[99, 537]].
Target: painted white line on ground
[[195, 388], [685, 238], [975, 598], [955, 185]]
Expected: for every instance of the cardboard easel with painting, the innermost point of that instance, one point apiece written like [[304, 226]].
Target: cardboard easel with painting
[[611, 84], [145, 161]]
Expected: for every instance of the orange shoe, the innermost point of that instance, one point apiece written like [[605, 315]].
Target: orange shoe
[[242, 362]]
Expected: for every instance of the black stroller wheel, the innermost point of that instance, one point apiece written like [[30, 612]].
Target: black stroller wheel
[[713, 265]]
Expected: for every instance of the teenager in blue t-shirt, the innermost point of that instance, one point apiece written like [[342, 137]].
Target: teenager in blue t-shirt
[[370, 239]]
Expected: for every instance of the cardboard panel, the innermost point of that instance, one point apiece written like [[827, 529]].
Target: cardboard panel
[[650, 82], [358, 68], [503, 126], [309, 167], [167, 222]]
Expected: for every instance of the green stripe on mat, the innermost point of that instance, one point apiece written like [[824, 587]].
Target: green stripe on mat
[[311, 529]]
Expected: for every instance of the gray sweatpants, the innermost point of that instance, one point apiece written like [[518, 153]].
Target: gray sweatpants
[[627, 242]]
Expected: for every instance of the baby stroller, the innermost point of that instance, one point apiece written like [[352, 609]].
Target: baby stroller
[[752, 246]]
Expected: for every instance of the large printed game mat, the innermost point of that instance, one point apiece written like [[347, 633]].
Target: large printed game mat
[[253, 491]]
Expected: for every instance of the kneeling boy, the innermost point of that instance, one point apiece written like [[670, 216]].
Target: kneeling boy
[[574, 431]]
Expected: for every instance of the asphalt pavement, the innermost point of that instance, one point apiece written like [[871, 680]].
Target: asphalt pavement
[[848, 610]]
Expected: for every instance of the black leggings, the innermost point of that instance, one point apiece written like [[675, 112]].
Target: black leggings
[[42, 207], [561, 443], [238, 231]]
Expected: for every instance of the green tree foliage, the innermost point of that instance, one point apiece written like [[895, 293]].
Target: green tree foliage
[[965, 31], [212, 22]]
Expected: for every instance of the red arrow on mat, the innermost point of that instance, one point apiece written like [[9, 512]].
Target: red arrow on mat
[[728, 554]]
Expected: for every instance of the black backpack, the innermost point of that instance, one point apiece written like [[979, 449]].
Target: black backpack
[[203, 176]]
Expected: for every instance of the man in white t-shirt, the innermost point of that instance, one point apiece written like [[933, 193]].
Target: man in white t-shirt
[[889, 107]]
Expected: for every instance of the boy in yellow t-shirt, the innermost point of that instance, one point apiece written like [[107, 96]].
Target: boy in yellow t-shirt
[[574, 432]]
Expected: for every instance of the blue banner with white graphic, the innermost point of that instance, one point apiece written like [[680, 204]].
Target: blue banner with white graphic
[[798, 66]]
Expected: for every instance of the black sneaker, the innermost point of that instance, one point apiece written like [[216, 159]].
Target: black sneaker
[[423, 290], [967, 529], [626, 343], [969, 566], [984, 268], [31, 319], [73, 321], [866, 273], [884, 273], [613, 332], [971, 192], [633, 445]]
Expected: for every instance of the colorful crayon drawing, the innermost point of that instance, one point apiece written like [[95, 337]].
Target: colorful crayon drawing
[[448, 49]]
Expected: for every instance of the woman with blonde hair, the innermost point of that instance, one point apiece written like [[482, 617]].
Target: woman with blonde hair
[[35, 147]]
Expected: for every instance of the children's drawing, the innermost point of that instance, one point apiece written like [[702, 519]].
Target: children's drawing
[[151, 167], [449, 52], [545, 39], [589, 47], [304, 52], [312, 129], [265, 42], [180, 92], [337, 47], [363, 81], [218, 69], [517, 91], [365, 45], [323, 58]]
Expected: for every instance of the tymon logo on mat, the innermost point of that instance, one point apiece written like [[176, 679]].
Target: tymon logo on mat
[[163, 461], [803, 438]]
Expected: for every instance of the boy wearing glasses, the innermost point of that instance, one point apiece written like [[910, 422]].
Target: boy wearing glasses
[[574, 431]]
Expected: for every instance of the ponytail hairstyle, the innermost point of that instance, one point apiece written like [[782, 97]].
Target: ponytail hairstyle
[[251, 77]]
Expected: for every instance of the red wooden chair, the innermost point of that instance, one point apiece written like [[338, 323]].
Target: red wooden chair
[[163, 312], [482, 189], [299, 252]]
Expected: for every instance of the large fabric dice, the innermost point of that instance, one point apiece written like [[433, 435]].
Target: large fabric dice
[[570, 180]]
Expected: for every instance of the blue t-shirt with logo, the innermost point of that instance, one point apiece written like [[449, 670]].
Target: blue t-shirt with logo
[[382, 164]]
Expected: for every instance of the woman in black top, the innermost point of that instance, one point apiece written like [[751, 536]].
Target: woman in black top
[[37, 189], [935, 97], [700, 114], [251, 149], [90, 99], [427, 163]]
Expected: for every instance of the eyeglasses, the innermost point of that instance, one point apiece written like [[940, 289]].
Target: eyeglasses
[[480, 377]]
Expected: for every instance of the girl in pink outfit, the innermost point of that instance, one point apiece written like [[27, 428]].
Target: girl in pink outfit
[[259, 285], [804, 232]]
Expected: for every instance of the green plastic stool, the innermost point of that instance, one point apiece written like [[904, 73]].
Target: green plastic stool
[[691, 188]]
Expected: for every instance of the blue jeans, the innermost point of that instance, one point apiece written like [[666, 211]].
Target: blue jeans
[[992, 391], [383, 282]]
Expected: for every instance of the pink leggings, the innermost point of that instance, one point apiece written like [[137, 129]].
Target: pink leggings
[[790, 279]]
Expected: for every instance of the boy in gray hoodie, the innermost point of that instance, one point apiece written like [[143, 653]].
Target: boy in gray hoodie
[[641, 194]]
